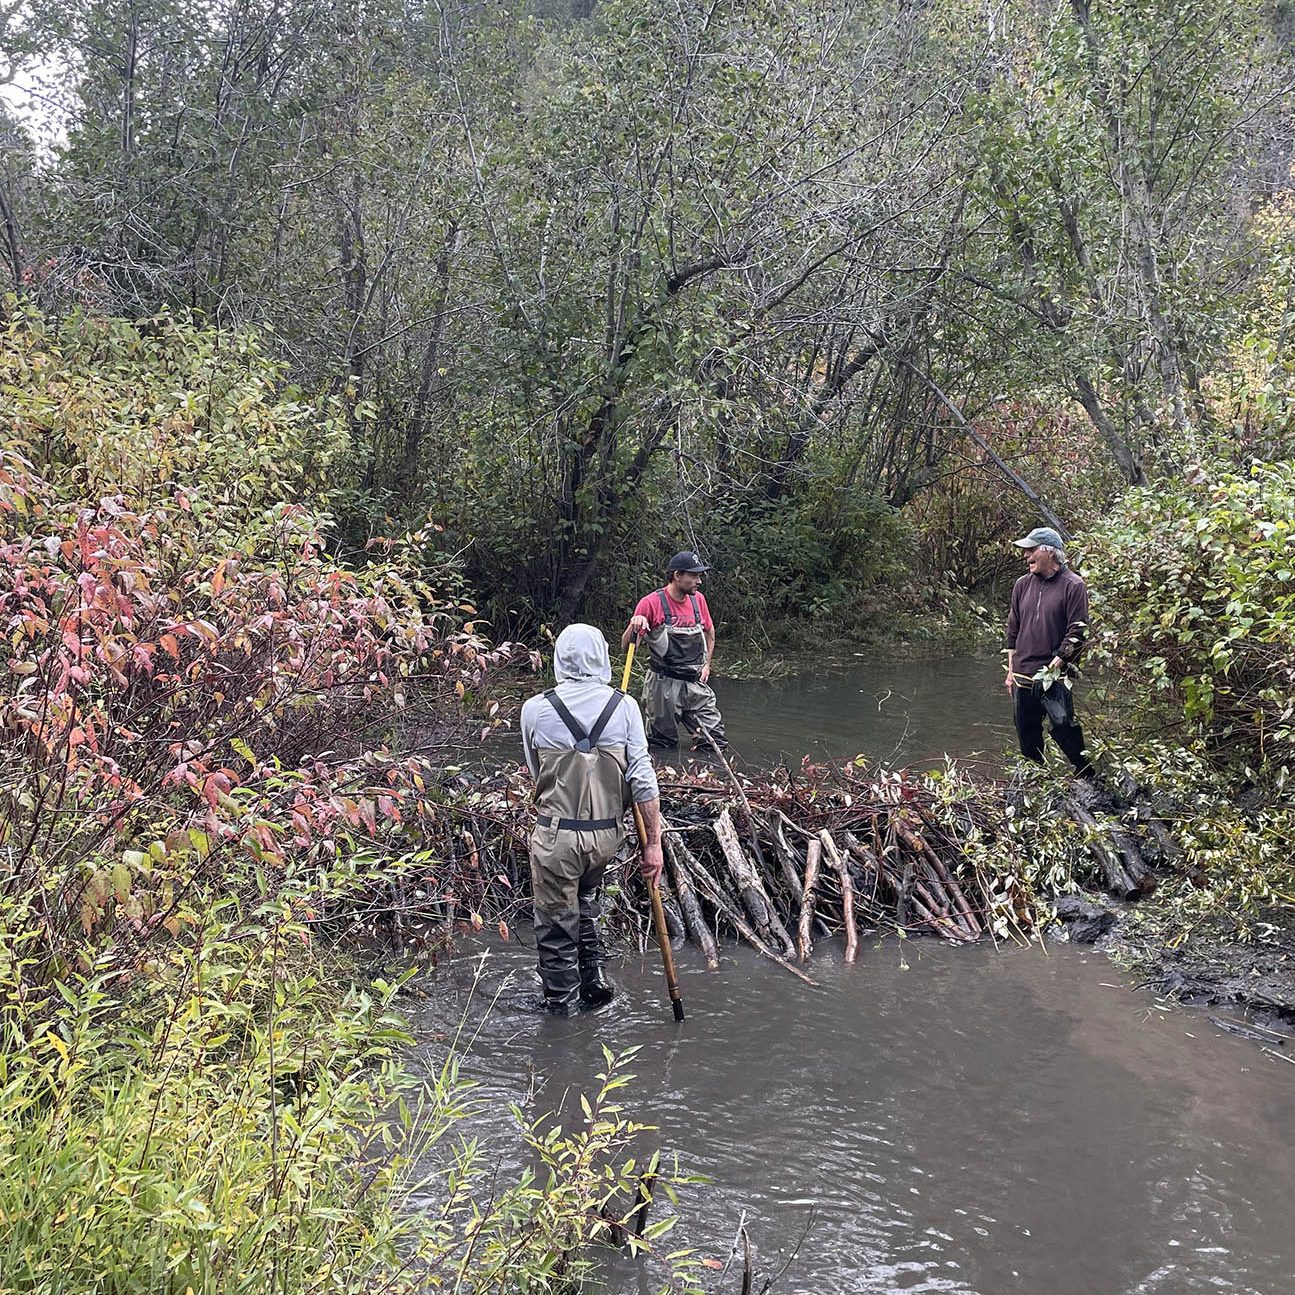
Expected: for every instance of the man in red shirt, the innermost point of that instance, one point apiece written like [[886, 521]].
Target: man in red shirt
[[681, 645]]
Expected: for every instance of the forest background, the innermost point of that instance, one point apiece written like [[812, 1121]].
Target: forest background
[[805, 288], [345, 344]]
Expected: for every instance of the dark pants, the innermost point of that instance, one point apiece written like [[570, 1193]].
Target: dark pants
[[569, 944], [566, 877], [1028, 713]]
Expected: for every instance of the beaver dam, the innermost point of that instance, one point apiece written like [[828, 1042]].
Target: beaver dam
[[957, 1113], [780, 861]]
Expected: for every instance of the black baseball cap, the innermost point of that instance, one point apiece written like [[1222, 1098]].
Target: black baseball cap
[[687, 560]]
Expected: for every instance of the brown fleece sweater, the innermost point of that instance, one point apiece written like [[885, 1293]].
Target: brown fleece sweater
[[1049, 617]]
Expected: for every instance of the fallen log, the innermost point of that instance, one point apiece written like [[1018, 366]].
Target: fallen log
[[787, 858], [694, 919], [674, 922], [750, 889], [747, 932], [1125, 877], [1085, 799]]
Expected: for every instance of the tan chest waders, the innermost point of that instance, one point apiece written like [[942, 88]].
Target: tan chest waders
[[673, 692], [581, 795]]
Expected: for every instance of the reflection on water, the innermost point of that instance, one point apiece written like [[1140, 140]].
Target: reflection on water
[[897, 712], [931, 1119]]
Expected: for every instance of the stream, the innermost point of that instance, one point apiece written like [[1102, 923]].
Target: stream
[[932, 1118]]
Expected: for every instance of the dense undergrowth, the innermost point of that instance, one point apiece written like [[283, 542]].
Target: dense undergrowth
[[214, 727], [244, 1116], [211, 728], [1194, 605]]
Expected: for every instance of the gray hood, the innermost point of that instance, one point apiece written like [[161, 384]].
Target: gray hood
[[581, 653]]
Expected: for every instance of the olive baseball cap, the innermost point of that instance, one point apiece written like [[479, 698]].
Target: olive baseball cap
[[687, 561], [1040, 535]]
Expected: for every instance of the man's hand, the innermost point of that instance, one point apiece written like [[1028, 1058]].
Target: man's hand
[[652, 864], [705, 671], [639, 625], [1010, 684]]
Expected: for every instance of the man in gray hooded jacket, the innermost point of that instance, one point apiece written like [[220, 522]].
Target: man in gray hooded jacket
[[586, 749]]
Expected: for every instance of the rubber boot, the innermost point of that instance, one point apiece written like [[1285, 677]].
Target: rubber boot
[[557, 940], [595, 990], [539, 1005]]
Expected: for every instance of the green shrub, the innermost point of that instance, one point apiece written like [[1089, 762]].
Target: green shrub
[[806, 558], [1194, 607], [106, 406], [241, 1123]]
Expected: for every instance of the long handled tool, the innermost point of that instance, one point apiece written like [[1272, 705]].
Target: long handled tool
[[658, 913]]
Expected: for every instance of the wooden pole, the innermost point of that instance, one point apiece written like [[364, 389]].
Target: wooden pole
[[833, 856], [813, 853], [658, 913]]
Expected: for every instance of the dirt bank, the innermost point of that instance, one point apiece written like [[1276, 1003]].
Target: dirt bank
[[1247, 988]]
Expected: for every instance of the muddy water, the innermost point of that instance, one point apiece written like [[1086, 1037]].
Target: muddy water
[[930, 1119], [897, 711]]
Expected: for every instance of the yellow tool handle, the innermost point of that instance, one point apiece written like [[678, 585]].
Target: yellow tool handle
[[629, 665]]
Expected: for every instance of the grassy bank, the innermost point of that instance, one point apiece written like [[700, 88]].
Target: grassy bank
[[234, 1114]]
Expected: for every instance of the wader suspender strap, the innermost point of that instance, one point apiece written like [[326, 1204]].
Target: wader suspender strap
[[665, 608], [584, 742]]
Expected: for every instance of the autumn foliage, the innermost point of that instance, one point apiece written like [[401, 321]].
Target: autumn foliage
[[193, 690]]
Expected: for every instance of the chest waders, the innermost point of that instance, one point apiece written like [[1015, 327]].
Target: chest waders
[[672, 688], [581, 795]]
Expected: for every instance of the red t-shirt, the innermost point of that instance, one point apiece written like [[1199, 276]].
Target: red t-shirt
[[650, 607]]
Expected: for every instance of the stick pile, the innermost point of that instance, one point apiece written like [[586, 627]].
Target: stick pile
[[780, 872], [781, 862]]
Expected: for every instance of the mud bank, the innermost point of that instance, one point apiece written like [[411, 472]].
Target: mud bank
[[1246, 988]]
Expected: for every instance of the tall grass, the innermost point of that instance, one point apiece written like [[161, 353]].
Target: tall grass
[[238, 1123]]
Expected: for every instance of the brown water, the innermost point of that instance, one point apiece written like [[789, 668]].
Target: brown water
[[930, 1119], [897, 711]]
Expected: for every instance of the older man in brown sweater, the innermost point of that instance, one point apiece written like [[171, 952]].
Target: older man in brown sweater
[[1046, 629]]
